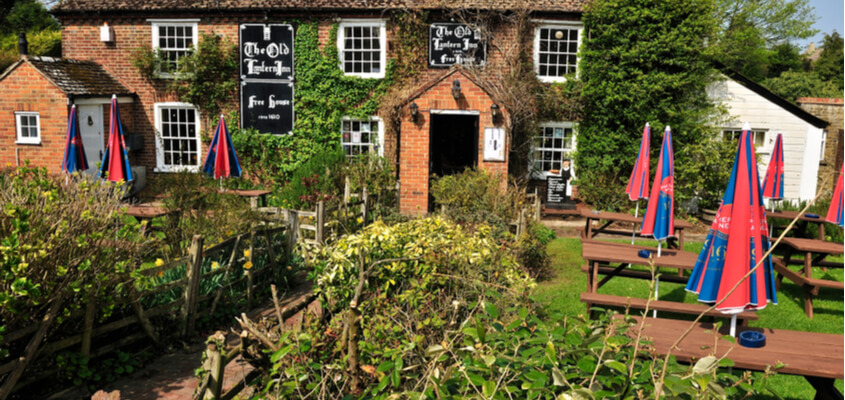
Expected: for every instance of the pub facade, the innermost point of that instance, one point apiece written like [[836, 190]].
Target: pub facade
[[449, 115]]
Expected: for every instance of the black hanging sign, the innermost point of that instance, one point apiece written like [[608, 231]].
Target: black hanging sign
[[267, 106], [455, 43], [266, 51]]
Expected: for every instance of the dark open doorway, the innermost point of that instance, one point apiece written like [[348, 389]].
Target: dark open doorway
[[453, 146], [454, 143]]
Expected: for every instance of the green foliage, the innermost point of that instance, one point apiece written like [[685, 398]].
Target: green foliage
[[830, 62], [794, 84], [704, 173], [785, 57], [643, 61], [531, 252], [323, 96], [80, 370], [318, 179], [60, 243], [207, 76], [28, 16], [379, 177], [477, 197], [41, 43], [147, 61]]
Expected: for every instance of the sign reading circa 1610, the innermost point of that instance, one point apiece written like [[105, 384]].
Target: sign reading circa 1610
[[266, 51], [267, 107], [455, 43]]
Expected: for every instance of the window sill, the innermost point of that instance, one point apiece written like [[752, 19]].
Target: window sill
[[364, 75], [167, 170], [28, 142], [551, 79]]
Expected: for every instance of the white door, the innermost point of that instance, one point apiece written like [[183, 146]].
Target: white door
[[91, 130]]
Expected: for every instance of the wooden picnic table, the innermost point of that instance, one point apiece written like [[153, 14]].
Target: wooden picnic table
[[802, 225], [818, 357], [257, 197], [148, 211], [601, 257], [610, 217], [814, 252]]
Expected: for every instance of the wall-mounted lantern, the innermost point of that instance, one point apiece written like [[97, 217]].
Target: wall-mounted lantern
[[106, 33], [495, 111], [415, 111], [90, 121], [456, 89]]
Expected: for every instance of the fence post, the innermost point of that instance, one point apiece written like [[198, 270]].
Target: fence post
[[293, 230], [321, 219], [347, 191], [88, 327], [192, 275], [214, 365], [365, 202], [249, 270], [537, 206]]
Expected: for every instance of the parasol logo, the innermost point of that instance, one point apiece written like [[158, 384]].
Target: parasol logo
[[723, 219], [75, 141], [667, 185]]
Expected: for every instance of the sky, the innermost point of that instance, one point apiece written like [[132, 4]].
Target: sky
[[831, 15]]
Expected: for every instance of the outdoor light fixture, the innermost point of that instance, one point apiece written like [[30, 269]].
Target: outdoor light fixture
[[456, 89], [90, 121], [415, 111], [494, 111]]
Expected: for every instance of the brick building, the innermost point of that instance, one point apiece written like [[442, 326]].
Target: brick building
[[443, 121], [830, 110]]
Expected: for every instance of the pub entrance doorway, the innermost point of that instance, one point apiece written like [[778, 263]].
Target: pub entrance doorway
[[453, 144]]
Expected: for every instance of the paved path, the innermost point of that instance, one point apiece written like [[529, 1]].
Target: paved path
[[171, 377]]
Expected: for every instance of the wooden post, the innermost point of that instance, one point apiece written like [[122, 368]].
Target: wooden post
[[537, 206], [347, 191], [271, 261], [192, 273], [249, 271], [321, 220], [146, 324], [214, 366], [253, 202], [293, 230], [88, 327], [365, 199]]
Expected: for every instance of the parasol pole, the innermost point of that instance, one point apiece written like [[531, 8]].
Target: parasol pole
[[733, 325], [634, 229], [656, 290]]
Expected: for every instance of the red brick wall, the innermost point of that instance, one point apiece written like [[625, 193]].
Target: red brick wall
[[414, 146], [25, 89]]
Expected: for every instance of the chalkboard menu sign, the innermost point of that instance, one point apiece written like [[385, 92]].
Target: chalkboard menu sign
[[454, 43], [556, 193], [266, 51], [267, 106]]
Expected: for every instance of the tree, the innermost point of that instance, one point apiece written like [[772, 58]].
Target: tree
[[829, 64], [27, 16], [751, 30], [784, 57], [794, 84], [644, 61]]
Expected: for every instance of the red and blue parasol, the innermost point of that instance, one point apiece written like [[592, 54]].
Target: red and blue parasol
[[221, 160], [74, 159], [773, 185], [638, 184], [735, 244], [659, 219], [115, 166], [834, 213]]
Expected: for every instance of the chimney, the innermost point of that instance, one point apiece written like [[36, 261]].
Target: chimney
[[23, 45]]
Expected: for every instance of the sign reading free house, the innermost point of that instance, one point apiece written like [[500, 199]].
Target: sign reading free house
[[454, 43], [266, 51], [267, 107]]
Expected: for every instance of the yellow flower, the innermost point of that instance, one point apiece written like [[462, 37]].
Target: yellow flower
[[360, 220], [159, 262], [246, 253], [215, 265], [248, 265]]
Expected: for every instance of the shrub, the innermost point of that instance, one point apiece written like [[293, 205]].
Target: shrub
[[321, 178], [379, 176], [477, 197], [531, 250]]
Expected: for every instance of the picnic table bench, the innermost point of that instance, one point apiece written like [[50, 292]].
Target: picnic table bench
[[660, 305], [611, 217], [809, 248], [818, 357], [802, 225], [600, 257]]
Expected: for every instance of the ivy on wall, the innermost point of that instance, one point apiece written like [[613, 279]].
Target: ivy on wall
[[322, 97]]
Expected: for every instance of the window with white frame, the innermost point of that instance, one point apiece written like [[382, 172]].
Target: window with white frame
[[362, 136], [362, 48], [758, 136], [556, 51], [28, 128], [178, 144], [553, 143], [173, 39]]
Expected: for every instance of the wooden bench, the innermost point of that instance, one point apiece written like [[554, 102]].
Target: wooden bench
[[807, 248], [598, 255], [611, 217], [818, 357], [660, 305]]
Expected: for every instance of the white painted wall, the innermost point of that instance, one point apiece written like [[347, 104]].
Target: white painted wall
[[801, 141]]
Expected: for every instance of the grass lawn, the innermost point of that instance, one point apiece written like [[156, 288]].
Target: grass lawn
[[562, 292]]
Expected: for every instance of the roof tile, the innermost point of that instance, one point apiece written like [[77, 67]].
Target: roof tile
[[79, 78]]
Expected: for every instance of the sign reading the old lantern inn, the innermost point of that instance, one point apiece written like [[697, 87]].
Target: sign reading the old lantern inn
[[267, 77], [267, 107], [454, 43], [267, 51]]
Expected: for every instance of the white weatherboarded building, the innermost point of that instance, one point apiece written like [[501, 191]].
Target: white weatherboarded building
[[769, 115]]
